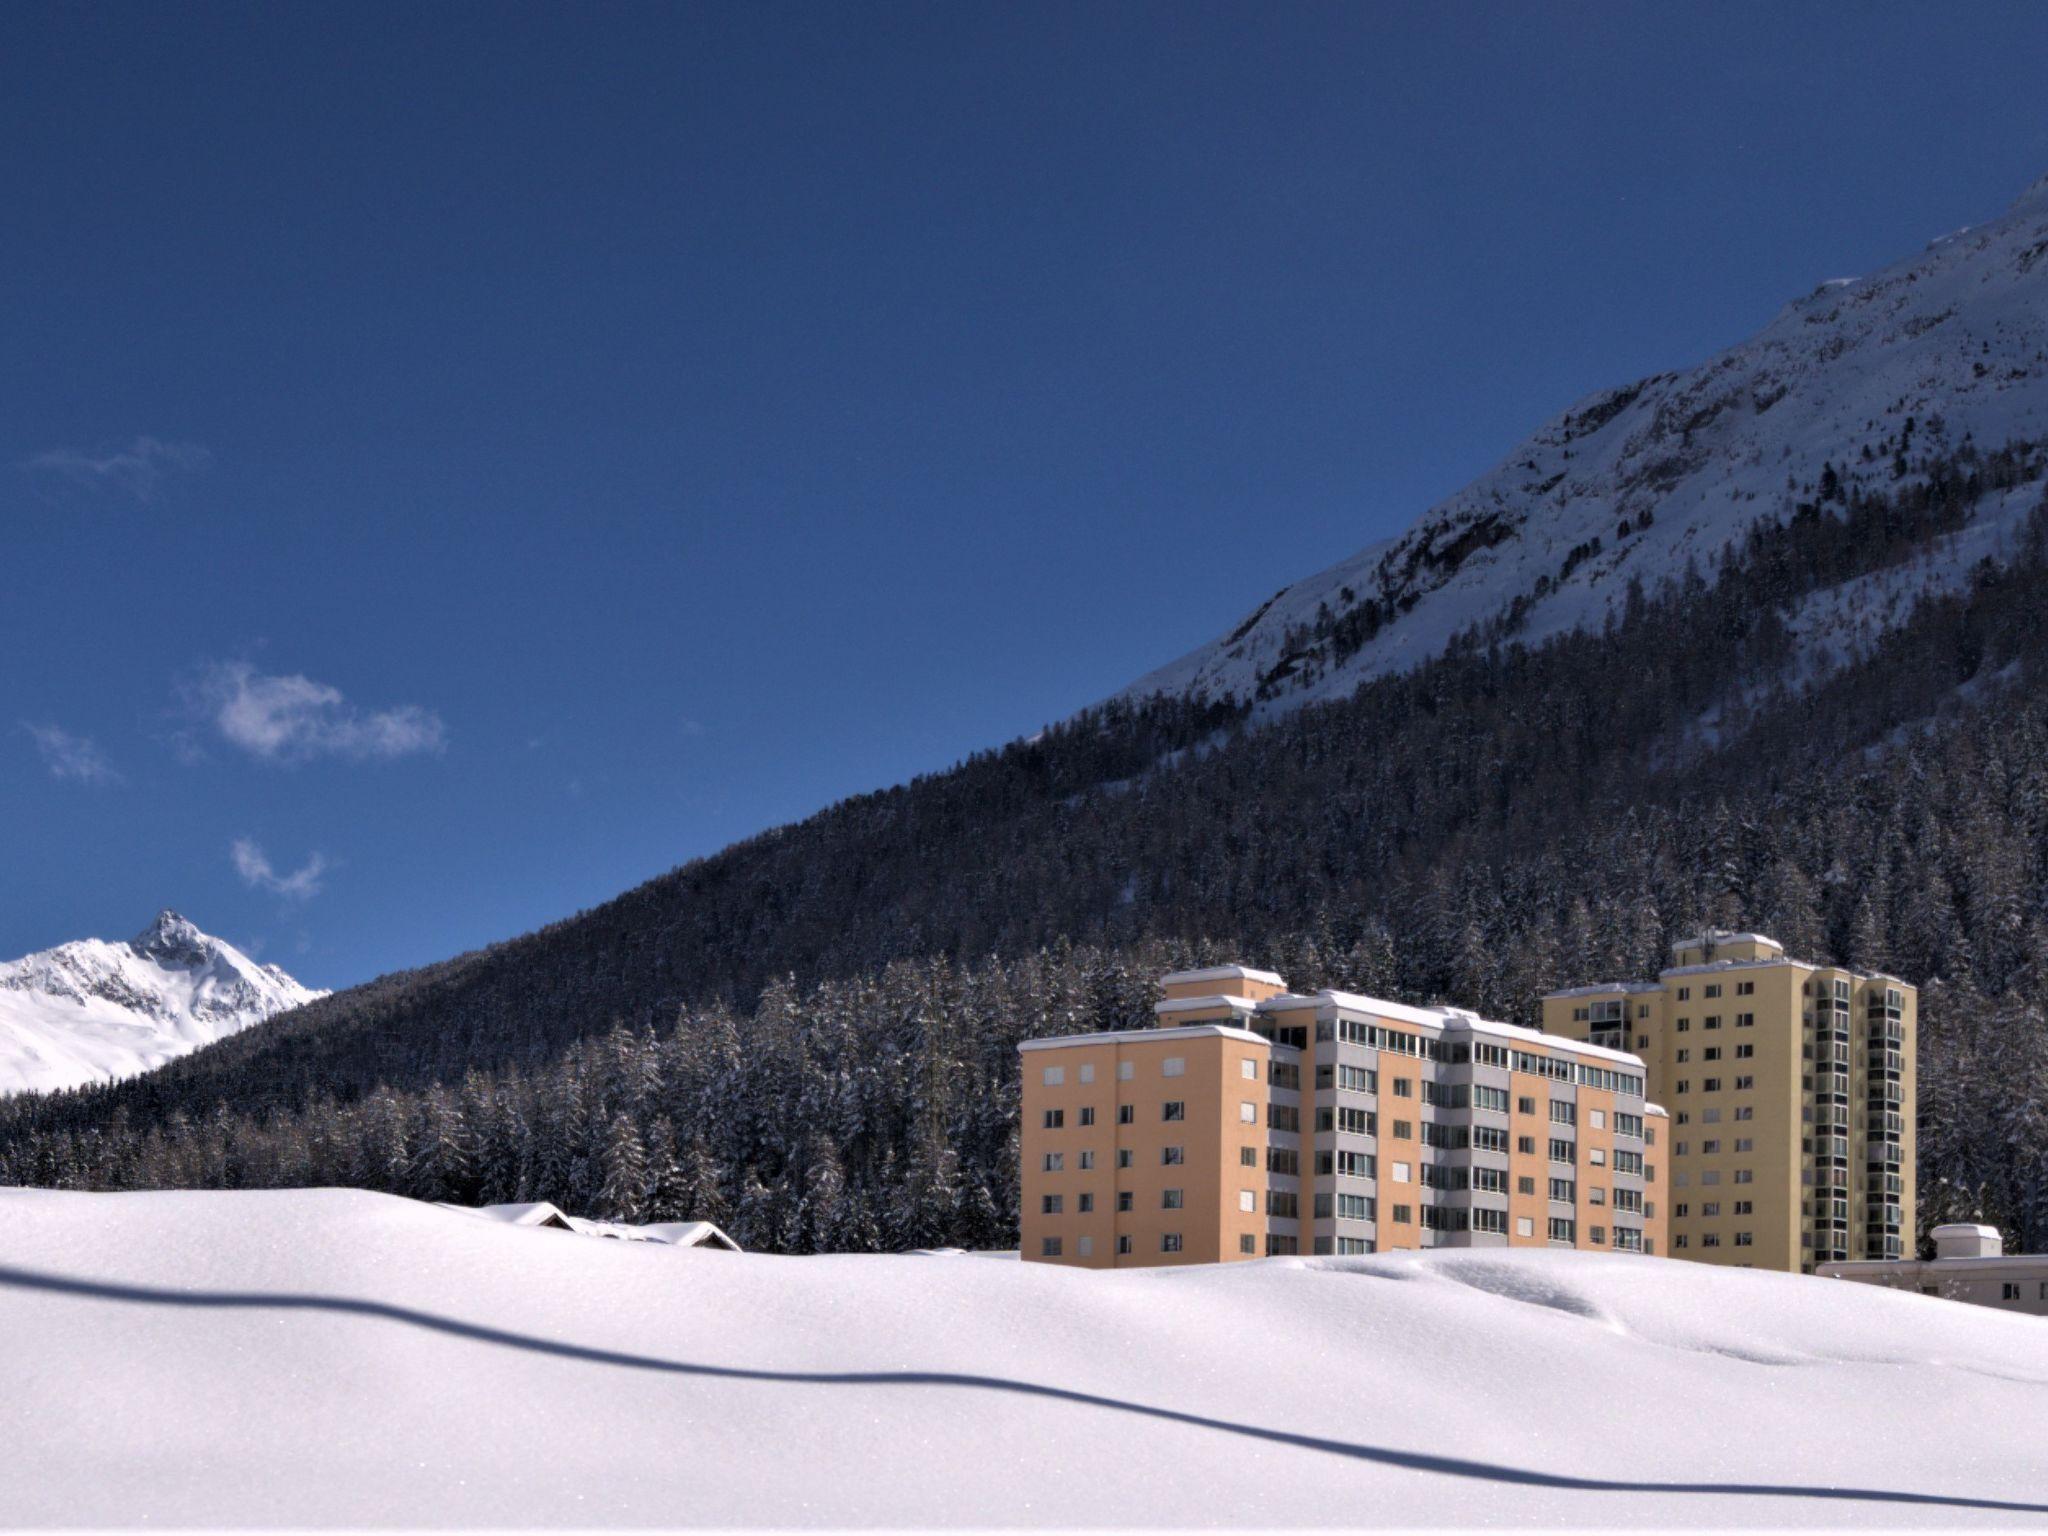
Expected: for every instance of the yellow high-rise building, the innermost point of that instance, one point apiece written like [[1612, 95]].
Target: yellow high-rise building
[[1791, 1091]]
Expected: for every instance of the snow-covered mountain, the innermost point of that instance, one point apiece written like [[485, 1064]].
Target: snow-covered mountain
[[1876, 374], [92, 1010]]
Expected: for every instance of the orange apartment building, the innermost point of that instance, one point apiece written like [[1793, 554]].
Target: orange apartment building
[[1248, 1120]]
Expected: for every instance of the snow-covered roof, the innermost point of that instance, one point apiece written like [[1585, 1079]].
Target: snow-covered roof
[[1597, 988], [525, 1213], [1125, 1036], [1228, 1000], [1655, 1109], [1713, 936], [1220, 973], [691, 1234]]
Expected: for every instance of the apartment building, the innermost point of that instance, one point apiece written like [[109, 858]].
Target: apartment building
[[1791, 1092], [1969, 1264], [1249, 1120]]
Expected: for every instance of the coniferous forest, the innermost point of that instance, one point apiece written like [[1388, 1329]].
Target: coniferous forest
[[810, 1037]]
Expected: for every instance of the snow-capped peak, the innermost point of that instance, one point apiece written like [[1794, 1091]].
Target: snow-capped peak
[[1947, 347], [94, 1009]]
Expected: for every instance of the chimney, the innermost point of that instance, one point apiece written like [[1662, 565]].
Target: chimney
[[1966, 1240]]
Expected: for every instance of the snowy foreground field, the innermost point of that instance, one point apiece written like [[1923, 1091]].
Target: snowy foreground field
[[332, 1357]]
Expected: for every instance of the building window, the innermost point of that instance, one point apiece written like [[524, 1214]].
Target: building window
[[1087, 1114], [1742, 1240], [1745, 1021], [1087, 1160], [1711, 1021], [1710, 1240], [1126, 1114], [1525, 1105], [1125, 1071], [1745, 1112], [1248, 1157], [1401, 1173], [1745, 1051], [1526, 1145], [1248, 1068], [1713, 1053], [1170, 1199], [1175, 1109], [1525, 1226], [1713, 989], [1564, 1191], [1597, 1236], [1084, 1246], [1525, 1185], [1745, 1207], [1403, 1214], [1086, 1204], [1684, 1086], [1174, 1066], [1563, 1230], [1595, 1195], [1745, 1143], [1404, 1130], [1054, 1076], [1560, 1150], [1052, 1205], [1709, 1147], [1404, 1087], [1246, 1243], [1597, 1156], [1055, 1118], [1745, 1176], [1123, 1199], [1597, 1118], [2009, 1292], [1169, 1242], [1684, 993], [1679, 1241], [1087, 1072], [1744, 1084], [1684, 1056], [1123, 1244], [1123, 1157], [1049, 1248], [1055, 1161], [1563, 1112], [1712, 1085], [1171, 1157], [1247, 1200], [1283, 1203], [1247, 1113], [1745, 988], [1487, 1219]]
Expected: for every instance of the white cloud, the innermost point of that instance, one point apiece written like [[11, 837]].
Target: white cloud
[[71, 757], [256, 871], [290, 719], [137, 469]]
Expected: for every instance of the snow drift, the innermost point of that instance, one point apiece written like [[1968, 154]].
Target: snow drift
[[333, 1357]]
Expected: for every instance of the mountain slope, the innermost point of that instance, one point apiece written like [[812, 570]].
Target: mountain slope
[[1947, 347], [93, 1010], [254, 1359]]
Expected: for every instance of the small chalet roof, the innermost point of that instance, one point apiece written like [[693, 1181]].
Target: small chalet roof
[[691, 1234]]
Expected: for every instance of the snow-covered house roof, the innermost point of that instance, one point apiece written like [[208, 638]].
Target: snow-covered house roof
[[525, 1213], [691, 1234]]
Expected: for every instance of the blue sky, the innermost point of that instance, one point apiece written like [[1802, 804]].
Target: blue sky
[[459, 461]]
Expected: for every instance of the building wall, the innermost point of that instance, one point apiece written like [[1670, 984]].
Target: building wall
[[1363, 1129], [1764, 1222], [1210, 1140], [1981, 1282]]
